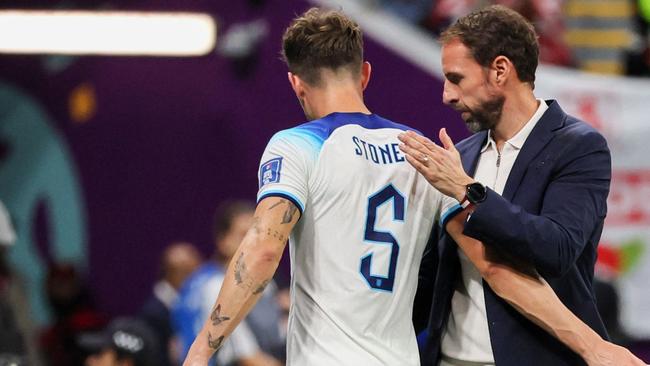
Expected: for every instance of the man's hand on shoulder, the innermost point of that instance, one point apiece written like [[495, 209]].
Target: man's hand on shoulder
[[442, 167]]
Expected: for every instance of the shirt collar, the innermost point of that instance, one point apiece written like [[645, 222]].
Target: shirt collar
[[490, 143], [517, 141]]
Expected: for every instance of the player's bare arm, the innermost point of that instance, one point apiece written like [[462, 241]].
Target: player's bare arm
[[534, 298], [251, 270]]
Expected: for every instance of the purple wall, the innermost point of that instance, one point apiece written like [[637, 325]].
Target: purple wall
[[171, 138]]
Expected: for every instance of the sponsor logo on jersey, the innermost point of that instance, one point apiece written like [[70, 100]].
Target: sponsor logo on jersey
[[270, 172]]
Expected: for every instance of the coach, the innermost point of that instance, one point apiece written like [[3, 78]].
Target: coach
[[537, 189]]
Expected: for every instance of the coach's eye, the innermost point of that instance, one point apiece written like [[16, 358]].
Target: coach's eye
[[454, 79]]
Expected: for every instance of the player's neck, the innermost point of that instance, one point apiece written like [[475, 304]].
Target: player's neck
[[337, 99], [518, 109]]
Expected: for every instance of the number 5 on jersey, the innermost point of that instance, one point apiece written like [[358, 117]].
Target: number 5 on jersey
[[371, 234]]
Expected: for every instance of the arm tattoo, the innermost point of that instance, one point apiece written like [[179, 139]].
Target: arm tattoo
[[261, 287], [214, 343], [288, 214], [281, 201], [216, 316], [276, 234], [240, 269]]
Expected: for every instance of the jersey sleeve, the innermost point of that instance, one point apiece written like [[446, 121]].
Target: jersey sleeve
[[286, 166], [449, 208]]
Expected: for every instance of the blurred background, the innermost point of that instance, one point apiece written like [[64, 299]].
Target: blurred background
[[108, 158]]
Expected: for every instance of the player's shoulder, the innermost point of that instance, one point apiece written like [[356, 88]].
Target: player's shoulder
[[310, 134]]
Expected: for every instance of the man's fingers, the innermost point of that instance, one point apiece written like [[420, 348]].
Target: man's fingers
[[421, 143], [406, 149], [410, 140], [413, 147], [413, 139], [446, 140], [424, 160], [415, 163], [421, 139]]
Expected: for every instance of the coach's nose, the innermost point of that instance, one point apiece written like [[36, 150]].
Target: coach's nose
[[450, 95]]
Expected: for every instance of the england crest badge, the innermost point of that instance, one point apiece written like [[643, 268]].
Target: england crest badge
[[270, 171]]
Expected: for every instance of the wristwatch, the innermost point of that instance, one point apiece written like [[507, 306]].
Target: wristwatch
[[475, 193]]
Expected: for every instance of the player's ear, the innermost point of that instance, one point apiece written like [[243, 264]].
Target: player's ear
[[366, 70], [297, 84]]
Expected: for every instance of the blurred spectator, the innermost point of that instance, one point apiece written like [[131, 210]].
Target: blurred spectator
[[12, 347], [413, 11], [178, 261], [16, 341], [258, 339], [241, 45], [548, 18], [445, 12], [546, 15], [125, 342], [74, 314], [610, 37]]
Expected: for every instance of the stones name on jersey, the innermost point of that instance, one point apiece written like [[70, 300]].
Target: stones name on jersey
[[378, 154]]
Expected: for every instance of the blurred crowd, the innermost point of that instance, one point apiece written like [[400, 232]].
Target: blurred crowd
[[601, 36], [161, 332], [163, 329]]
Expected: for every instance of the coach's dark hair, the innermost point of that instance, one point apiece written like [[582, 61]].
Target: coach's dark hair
[[322, 39], [494, 31], [226, 213]]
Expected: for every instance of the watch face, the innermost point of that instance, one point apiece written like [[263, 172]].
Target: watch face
[[476, 193]]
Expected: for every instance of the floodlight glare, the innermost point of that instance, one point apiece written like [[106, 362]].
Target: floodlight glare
[[107, 33]]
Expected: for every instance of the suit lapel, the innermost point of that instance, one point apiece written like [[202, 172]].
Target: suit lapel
[[539, 137], [469, 150], [470, 154]]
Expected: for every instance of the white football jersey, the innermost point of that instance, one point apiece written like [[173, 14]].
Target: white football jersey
[[366, 216]]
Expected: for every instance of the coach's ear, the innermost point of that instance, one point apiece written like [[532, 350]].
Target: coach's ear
[[366, 70], [297, 85]]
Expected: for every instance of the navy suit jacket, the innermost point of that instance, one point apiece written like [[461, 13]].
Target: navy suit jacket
[[550, 215]]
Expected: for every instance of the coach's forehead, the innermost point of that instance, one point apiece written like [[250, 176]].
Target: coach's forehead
[[457, 58]]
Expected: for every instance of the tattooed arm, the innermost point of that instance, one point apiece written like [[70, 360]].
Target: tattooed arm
[[249, 272], [533, 297]]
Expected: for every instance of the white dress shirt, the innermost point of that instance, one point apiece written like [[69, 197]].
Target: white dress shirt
[[467, 336]]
